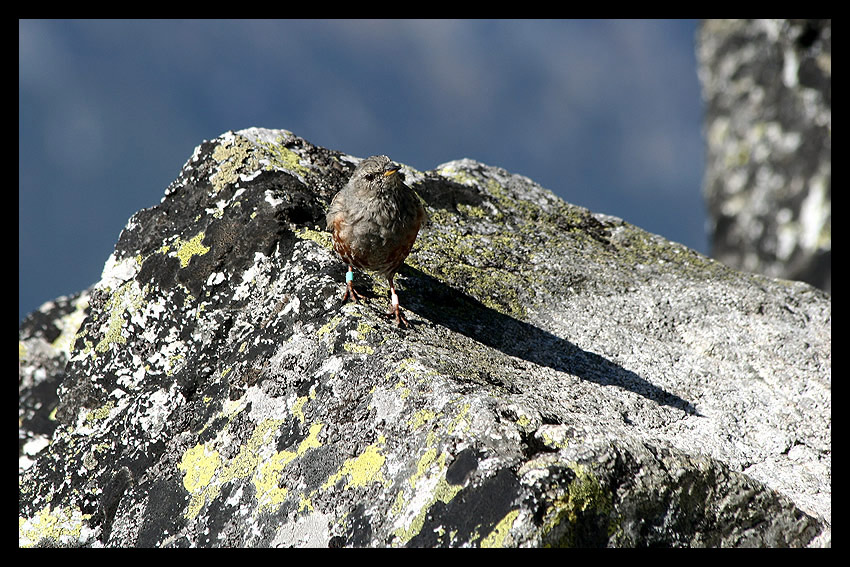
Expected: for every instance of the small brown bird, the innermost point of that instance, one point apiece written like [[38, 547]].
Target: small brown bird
[[374, 220]]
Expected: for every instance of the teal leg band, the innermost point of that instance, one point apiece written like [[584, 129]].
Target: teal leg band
[[349, 276]]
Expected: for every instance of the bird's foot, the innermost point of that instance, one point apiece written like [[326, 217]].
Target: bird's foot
[[350, 292], [400, 319], [349, 287], [395, 311]]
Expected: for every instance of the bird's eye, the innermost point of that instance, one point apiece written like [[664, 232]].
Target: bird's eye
[[370, 176]]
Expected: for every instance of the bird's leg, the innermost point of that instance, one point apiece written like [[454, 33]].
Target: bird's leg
[[349, 287], [394, 308]]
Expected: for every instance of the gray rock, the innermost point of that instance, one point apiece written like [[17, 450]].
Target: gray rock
[[568, 380], [45, 338], [767, 86]]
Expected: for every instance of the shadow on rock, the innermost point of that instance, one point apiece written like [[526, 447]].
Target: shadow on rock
[[444, 305]]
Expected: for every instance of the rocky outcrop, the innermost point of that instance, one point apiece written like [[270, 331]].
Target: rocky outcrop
[[568, 380], [767, 86]]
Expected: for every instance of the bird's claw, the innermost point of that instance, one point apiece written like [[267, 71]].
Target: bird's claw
[[400, 319], [352, 293]]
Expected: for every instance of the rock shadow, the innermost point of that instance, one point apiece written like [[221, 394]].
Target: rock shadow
[[444, 305]]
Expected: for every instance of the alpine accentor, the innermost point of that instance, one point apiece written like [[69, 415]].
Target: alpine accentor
[[375, 219]]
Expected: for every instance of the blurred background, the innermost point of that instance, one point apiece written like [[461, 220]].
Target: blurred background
[[606, 114]]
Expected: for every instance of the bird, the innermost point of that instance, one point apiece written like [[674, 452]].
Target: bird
[[374, 220]]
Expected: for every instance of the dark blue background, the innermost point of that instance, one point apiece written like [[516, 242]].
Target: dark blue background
[[606, 114]]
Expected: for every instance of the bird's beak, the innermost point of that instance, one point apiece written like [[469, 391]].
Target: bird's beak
[[392, 169]]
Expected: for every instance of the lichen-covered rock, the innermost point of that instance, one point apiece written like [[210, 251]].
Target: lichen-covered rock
[[569, 379], [767, 86], [45, 340]]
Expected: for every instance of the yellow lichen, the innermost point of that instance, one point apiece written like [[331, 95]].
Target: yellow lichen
[[361, 470], [100, 413], [60, 525], [232, 154], [128, 297], [585, 494], [443, 492], [269, 494], [205, 472], [298, 408], [312, 439], [499, 536], [199, 465], [424, 464], [321, 238], [421, 417], [281, 157], [188, 248]]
